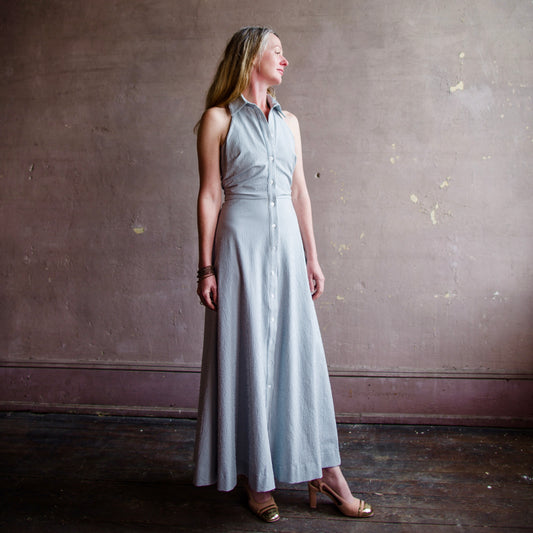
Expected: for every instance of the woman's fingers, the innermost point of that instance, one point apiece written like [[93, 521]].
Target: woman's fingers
[[214, 296], [316, 283], [319, 288], [207, 291]]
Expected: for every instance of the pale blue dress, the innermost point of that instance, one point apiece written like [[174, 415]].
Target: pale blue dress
[[266, 409]]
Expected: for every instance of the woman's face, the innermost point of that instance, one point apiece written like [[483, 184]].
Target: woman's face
[[272, 64]]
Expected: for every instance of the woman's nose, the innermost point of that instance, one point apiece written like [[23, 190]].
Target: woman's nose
[[284, 61]]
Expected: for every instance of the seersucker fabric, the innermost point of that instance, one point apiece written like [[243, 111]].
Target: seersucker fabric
[[266, 409]]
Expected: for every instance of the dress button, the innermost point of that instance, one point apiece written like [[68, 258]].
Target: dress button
[[272, 204], [271, 158], [274, 226]]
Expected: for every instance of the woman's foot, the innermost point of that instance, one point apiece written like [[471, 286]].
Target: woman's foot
[[261, 503], [334, 485]]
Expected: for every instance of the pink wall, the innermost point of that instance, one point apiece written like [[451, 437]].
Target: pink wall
[[417, 127]]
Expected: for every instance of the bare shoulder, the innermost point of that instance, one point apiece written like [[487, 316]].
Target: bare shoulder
[[217, 114], [293, 124], [290, 117], [216, 121]]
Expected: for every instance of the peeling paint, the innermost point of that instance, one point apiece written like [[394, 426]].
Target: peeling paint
[[343, 248], [342, 198], [340, 298], [394, 158], [445, 183], [139, 230], [446, 296], [433, 214], [497, 297], [459, 87]]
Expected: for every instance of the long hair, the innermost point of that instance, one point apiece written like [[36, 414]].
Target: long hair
[[233, 73]]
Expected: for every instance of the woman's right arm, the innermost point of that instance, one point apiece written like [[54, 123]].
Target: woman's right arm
[[211, 134]]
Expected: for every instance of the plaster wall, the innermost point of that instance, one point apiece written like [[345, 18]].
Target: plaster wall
[[417, 129]]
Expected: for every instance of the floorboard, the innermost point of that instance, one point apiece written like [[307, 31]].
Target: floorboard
[[85, 474]]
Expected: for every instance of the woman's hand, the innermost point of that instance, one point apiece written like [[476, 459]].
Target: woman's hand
[[207, 291], [316, 279]]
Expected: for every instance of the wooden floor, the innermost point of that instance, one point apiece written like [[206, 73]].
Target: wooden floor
[[74, 473]]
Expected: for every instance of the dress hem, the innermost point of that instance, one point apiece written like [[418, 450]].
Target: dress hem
[[289, 482]]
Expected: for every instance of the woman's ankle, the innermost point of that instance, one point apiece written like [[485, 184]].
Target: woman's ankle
[[334, 477], [260, 497]]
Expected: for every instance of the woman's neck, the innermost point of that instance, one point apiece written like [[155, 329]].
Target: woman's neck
[[257, 95]]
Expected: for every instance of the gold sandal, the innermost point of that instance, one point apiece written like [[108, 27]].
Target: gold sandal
[[363, 510], [267, 511]]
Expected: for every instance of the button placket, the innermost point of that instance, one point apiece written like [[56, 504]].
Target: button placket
[[273, 259]]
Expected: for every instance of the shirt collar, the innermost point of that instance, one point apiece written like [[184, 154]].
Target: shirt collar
[[241, 101]]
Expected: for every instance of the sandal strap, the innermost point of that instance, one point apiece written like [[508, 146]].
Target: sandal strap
[[269, 513], [263, 510]]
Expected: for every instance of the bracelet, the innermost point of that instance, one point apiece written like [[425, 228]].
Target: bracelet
[[205, 272]]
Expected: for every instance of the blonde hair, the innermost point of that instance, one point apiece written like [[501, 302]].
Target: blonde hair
[[233, 73]]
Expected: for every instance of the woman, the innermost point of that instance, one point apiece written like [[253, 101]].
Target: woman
[[266, 411]]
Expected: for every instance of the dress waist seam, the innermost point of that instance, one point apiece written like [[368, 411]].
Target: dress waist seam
[[240, 196]]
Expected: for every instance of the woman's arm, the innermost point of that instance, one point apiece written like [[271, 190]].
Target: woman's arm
[[302, 206], [211, 134]]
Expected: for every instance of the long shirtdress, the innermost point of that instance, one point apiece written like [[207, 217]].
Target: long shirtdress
[[266, 409]]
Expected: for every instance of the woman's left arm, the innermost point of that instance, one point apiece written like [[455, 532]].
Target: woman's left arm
[[302, 206]]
